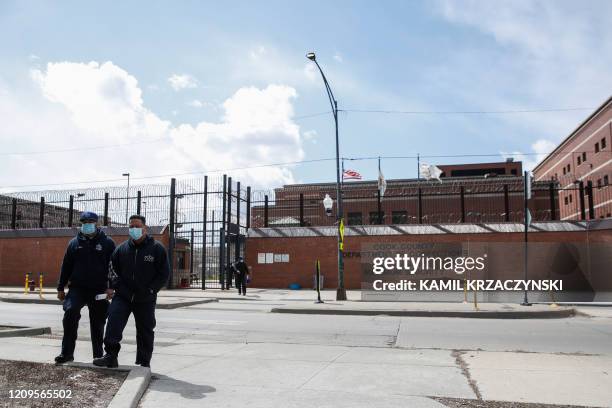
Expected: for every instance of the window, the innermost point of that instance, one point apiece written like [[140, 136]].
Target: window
[[569, 169], [579, 160], [399, 217], [605, 180], [598, 183], [603, 142], [564, 171], [570, 198], [597, 147], [565, 200], [583, 156], [354, 218], [374, 217]]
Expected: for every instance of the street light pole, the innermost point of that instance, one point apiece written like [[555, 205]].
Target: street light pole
[[341, 291], [127, 197]]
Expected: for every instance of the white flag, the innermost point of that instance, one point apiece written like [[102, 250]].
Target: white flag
[[382, 183], [429, 172]]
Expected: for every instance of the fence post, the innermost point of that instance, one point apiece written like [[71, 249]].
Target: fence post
[[266, 211], [204, 227], [237, 246], [462, 192], [301, 209], [229, 204], [221, 256], [248, 204], [223, 201], [553, 207], [506, 203], [171, 232], [70, 211], [105, 209], [420, 203], [14, 214], [378, 208], [590, 200], [138, 201], [581, 194], [192, 247], [41, 214]]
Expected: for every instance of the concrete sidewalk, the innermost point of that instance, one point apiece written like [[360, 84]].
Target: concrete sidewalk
[[302, 302]]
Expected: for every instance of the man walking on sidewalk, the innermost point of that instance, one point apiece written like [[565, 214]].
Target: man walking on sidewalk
[[139, 269], [85, 271], [242, 271]]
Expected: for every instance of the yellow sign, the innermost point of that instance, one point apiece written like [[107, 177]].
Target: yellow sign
[[341, 234]]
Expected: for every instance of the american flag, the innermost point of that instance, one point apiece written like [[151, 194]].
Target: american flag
[[351, 175]]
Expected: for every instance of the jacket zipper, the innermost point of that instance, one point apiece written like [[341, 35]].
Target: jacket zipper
[[134, 270]]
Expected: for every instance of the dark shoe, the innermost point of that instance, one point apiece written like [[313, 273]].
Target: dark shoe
[[244, 294], [144, 365], [61, 359], [108, 360]]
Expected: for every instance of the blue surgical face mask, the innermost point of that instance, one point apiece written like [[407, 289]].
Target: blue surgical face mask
[[88, 228], [135, 233]]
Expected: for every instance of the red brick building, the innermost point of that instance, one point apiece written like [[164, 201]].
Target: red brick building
[[582, 165], [483, 192]]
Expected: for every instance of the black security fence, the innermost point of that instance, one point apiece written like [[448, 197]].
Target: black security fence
[[426, 202], [203, 220]]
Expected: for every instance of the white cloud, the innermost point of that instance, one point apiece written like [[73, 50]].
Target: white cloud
[[196, 103], [311, 136], [99, 104], [338, 57], [541, 148], [182, 81], [543, 55]]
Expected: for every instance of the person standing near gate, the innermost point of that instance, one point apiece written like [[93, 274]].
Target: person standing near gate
[[139, 269], [85, 271], [242, 271]]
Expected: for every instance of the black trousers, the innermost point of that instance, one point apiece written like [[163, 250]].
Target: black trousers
[[241, 282], [144, 316], [73, 303]]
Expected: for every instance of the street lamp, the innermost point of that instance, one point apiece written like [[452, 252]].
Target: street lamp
[[127, 197], [328, 204], [340, 292]]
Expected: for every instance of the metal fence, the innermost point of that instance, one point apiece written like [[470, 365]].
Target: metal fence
[[205, 219], [421, 202]]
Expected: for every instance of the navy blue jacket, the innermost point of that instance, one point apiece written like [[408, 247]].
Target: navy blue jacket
[[139, 271], [86, 262]]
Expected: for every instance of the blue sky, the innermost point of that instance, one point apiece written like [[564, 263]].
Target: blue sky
[[217, 85]]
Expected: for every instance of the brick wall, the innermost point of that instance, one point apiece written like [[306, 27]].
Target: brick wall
[[304, 251], [42, 250]]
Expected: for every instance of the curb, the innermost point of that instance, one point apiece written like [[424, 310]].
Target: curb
[[37, 300], [133, 387], [25, 331], [540, 314], [57, 302], [184, 304]]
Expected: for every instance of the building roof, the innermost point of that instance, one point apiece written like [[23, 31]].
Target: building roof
[[575, 131]]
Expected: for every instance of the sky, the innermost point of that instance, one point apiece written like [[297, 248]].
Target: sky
[[89, 91]]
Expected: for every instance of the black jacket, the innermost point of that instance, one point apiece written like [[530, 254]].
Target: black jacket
[[139, 271], [86, 261], [242, 267]]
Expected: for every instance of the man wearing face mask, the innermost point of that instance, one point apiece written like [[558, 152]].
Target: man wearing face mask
[[85, 271], [139, 269]]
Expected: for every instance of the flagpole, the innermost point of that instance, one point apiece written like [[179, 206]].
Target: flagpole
[[418, 167]]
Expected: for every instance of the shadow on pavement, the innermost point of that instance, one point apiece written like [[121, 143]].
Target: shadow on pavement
[[163, 383]]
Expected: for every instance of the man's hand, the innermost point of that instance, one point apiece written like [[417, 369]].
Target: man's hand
[[110, 293], [61, 295]]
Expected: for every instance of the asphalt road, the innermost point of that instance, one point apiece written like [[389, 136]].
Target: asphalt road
[[211, 351]]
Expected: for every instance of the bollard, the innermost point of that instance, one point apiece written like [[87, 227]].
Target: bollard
[[318, 272], [554, 302], [27, 284], [475, 297], [40, 282], [465, 297]]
